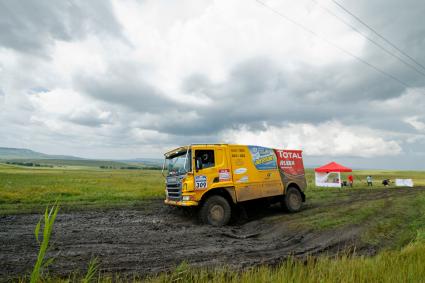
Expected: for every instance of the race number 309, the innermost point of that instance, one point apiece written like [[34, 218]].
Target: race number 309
[[201, 182]]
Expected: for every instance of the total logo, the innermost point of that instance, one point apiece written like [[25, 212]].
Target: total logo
[[289, 154]]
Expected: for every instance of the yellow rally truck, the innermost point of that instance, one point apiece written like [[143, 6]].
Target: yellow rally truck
[[216, 177]]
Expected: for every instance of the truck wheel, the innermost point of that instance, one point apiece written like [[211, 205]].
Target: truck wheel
[[292, 200], [215, 211]]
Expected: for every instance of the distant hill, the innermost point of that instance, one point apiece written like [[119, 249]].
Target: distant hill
[[67, 162], [23, 153], [146, 161], [27, 157]]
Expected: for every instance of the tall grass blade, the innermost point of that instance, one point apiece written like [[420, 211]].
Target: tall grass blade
[[37, 231], [91, 271], [49, 219]]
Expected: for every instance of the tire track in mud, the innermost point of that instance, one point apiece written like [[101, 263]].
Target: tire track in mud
[[155, 238]]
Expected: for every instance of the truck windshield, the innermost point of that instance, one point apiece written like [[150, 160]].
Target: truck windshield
[[179, 164]]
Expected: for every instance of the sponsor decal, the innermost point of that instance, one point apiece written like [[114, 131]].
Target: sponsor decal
[[263, 158], [201, 182], [290, 161], [240, 171], [224, 175], [243, 179]]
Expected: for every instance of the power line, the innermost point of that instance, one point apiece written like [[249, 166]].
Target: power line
[[370, 39], [333, 44], [379, 35]]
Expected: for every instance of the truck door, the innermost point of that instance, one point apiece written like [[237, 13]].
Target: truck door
[[205, 170], [211, 168]]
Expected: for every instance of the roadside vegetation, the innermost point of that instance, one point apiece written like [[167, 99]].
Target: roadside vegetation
[[405, 265], [389, 222]]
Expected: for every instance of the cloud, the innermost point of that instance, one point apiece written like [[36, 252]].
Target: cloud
[[325, 139], [34, 26], [123, 84], [416, 123], [59, 107], [149, 136], [91, 117], [402, 25]]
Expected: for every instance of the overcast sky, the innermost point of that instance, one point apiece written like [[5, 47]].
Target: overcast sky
[[127, 79]]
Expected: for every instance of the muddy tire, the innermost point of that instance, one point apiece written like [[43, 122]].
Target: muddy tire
[[215, 211], [292, 200]]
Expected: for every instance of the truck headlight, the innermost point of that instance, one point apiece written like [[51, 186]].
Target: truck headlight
[[185, 198]]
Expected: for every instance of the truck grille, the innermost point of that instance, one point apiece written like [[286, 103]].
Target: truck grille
[[174, 189]]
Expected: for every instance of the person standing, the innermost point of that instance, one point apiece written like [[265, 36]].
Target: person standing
[[350, 180], [369, 181]]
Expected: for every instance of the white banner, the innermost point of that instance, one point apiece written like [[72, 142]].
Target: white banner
[[404, 182]]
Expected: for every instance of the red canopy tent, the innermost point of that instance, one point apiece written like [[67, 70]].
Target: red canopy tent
[[322, 173], [333, 167]]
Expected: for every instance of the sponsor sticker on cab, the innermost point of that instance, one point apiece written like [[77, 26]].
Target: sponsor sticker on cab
[[243, 179], [240, 171], [201, 182], [224, 175], [263, 158]]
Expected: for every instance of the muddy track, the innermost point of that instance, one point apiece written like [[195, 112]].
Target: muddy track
[[155, 238]]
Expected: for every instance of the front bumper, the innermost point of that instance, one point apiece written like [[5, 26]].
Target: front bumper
[[181, 202]]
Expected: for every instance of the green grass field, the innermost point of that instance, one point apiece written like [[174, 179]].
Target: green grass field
[[24, 189], [31, 189]]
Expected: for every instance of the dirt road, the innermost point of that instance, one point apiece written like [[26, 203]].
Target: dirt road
[[154, 238]]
